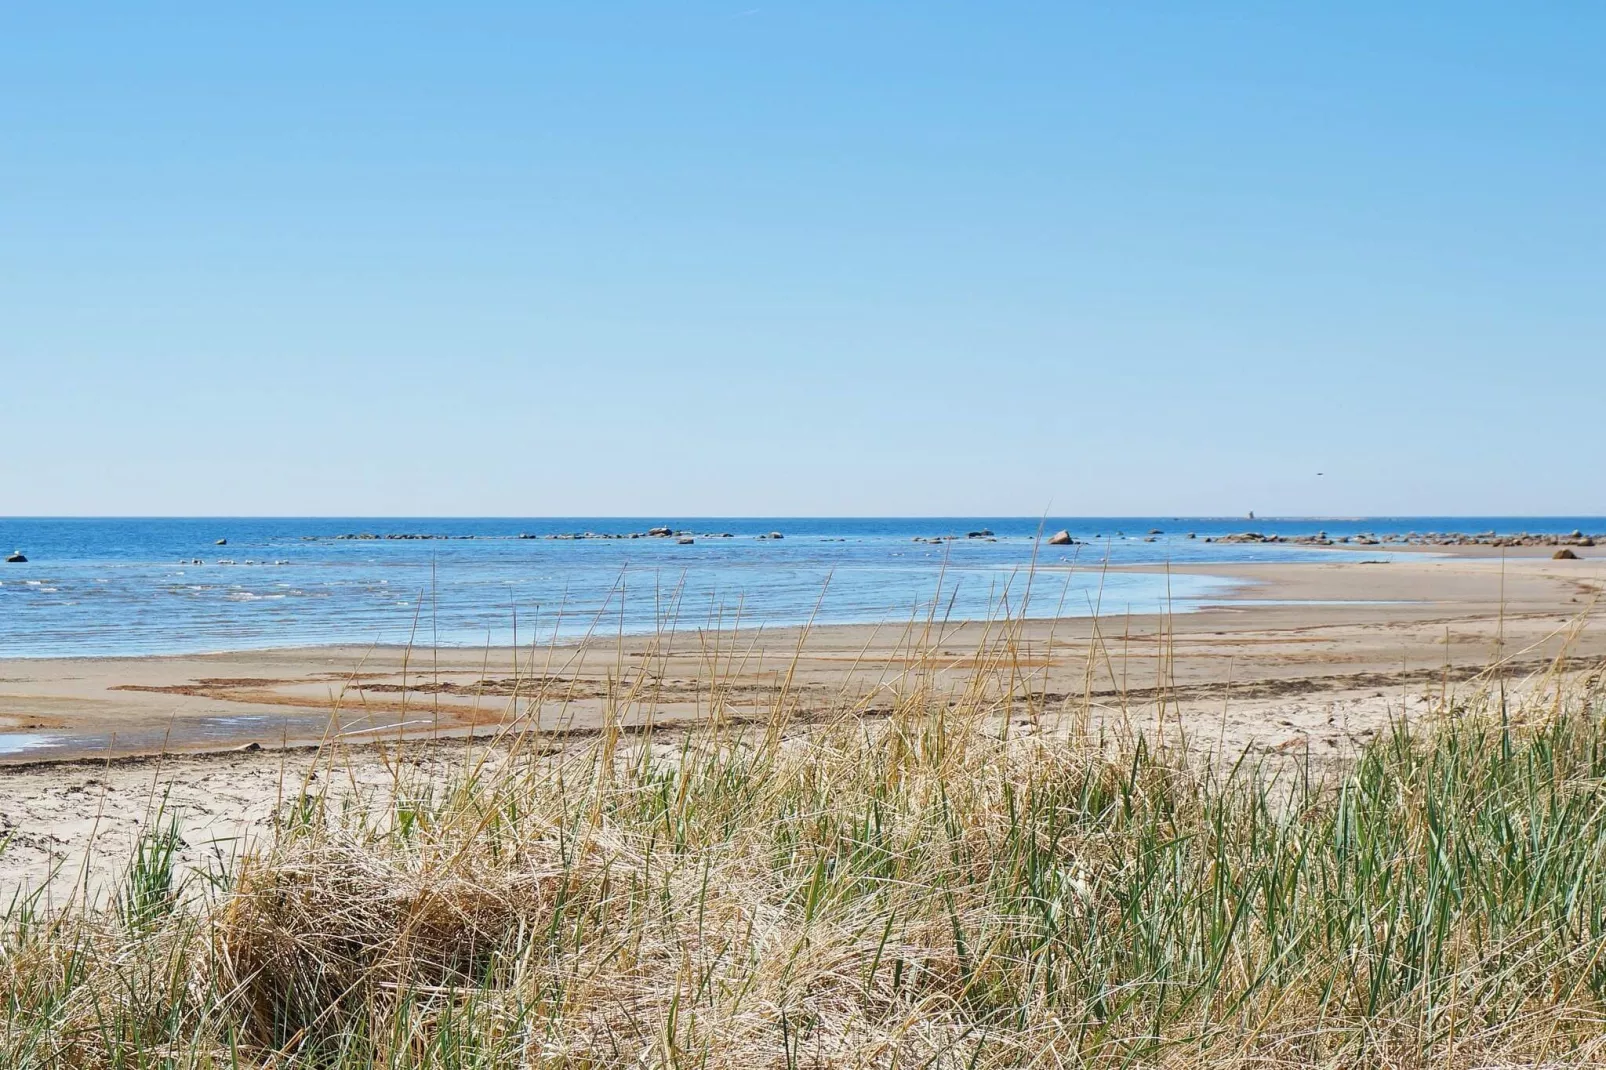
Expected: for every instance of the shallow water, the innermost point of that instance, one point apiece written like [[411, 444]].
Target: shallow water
[[17, 742], [130, 586]]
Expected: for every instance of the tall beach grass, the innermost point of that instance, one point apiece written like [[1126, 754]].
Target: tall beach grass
[[918, 877]]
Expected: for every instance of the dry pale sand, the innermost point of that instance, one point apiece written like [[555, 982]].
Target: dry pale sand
[[1309, 657]]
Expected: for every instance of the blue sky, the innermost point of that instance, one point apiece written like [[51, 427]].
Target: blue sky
[[787, 258]]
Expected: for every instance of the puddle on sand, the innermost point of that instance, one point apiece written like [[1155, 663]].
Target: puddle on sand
[[17, 742]]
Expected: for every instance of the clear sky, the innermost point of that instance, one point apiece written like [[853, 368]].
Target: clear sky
[[802, 258]]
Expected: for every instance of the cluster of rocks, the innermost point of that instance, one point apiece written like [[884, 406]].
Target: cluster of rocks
[[984, 535], [1490, 538], [1319, 539], [662, 532], [685, 538], [1412, 538], [231, 561]]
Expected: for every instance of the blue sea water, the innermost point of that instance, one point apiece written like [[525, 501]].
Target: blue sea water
[[111, 586]]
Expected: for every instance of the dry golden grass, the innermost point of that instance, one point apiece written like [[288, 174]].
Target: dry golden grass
[[970, 881]]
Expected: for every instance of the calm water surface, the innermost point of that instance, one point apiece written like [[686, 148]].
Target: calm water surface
[[132, 586]]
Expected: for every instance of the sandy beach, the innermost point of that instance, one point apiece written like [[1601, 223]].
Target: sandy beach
[[1313, 658], [1327, 627]]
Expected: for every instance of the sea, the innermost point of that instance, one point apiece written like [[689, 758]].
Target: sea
[[138, 586]]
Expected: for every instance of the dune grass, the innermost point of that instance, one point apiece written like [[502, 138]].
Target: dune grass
[[968, 880]]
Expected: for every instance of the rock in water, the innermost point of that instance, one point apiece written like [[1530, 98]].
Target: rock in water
[[685, 540], [775, 535], [17, 559], [1564, 554], [221, 542], [1060, 538]]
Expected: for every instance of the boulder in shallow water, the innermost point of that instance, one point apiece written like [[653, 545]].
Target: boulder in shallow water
[[221, 542], [1564, 554], [1060, 538], [685, 540], [17, 559]]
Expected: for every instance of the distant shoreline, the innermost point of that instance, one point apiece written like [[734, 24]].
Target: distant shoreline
[[1242, 583]]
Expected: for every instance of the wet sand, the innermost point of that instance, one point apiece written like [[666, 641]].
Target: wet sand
[[1311, 625], [1313, 657]]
